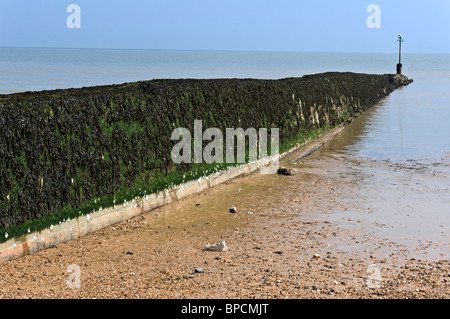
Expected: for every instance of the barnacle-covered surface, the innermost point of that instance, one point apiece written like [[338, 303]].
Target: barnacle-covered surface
[[82, 149]]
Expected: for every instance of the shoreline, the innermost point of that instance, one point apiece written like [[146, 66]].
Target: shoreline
[[271, 253]]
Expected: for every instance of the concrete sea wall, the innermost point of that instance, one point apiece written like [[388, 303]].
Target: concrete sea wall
[[76, 160]]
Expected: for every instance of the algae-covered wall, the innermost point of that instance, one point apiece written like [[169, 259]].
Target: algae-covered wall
[[67, 152]]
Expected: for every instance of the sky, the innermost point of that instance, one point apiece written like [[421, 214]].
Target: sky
[[249, 25]]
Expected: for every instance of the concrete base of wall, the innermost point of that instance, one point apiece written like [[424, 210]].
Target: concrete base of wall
[[86, 224]]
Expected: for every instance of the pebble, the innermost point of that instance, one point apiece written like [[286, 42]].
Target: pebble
[[199, 270], [233, 209]]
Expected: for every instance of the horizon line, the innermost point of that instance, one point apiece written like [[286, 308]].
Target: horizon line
[[216, 50]]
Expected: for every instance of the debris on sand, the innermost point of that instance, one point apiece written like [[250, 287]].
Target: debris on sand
[[288, 171], [220, 246]]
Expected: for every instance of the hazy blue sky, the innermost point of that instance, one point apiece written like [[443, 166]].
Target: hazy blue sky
[[281, 25]]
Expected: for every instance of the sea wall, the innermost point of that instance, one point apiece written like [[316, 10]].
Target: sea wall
[[66, 153]]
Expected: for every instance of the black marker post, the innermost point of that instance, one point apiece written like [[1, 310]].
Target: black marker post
[[399, 65]]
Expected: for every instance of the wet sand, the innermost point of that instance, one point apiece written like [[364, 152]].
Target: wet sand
[[318, 234]]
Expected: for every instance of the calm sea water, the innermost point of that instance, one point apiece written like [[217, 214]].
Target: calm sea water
[[412, 123]]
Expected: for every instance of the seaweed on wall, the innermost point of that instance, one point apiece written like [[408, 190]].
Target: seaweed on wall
[[70, 152]]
